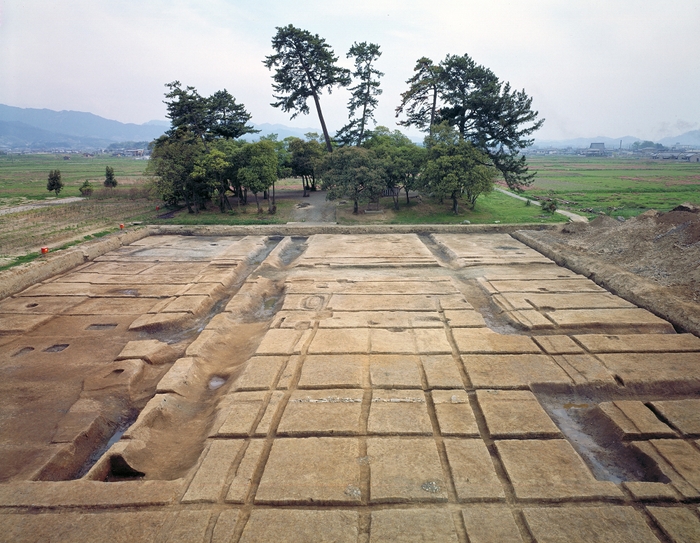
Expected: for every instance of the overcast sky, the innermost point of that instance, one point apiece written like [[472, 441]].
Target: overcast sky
[[594, 68]]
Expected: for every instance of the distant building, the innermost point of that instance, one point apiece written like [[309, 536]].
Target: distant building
[[596, 149], [693, 157]]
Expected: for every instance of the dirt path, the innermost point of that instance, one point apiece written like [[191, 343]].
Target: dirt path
[[315, 209], [573, 216]]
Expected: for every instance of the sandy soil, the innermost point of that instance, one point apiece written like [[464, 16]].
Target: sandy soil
[[314, 209]]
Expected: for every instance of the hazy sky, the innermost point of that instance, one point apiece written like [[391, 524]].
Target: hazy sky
[[594, 67]]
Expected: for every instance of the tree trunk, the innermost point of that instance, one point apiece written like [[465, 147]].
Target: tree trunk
[[454, 203], [329, 147], [271, 200], [362, 122], [408, 201], [355, 210], [304, 183], [433, 110]]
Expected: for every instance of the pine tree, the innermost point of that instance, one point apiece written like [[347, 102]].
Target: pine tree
[[364, 94], [110, 180], [54, 183], [304, 65]]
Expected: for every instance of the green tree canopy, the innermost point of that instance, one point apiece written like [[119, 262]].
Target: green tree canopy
[[639, 145], [173, 161], [304, 65], [196, 159], [54, 182], [259, 170], [354, 173], [305, 160], [402, 160], [485, 111], [210, 169], [218, 116], [455, 168], [420, 101], [284, 155], [110, 181], [363, 100]]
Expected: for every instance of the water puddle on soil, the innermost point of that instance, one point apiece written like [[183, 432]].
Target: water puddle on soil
[[216, 382], [608, 458]]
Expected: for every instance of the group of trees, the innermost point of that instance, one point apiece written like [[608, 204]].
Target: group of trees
[[488, 113], [388, 163], [475, 124], [491, 123], [200, 159], [55, 183]]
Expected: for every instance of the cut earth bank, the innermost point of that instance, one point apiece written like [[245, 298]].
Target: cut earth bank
[[290, 385]]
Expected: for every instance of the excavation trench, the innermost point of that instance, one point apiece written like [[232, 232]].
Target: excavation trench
[[610, 455], [168, 436]]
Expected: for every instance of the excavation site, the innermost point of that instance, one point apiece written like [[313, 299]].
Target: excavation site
[[472, 384]]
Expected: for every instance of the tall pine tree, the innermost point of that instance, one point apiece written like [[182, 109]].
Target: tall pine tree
[[304, 65], [363, 100]]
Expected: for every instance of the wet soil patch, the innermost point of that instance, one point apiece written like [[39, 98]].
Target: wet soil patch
[[594, 437], [121, 427]]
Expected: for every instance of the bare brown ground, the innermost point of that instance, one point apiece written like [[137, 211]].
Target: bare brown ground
[[661, 247]]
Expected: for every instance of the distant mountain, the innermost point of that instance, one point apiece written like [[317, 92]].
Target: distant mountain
[[689, 138], [17, 135], [281, 130], [69, 129], [585, 143], [163, 124]]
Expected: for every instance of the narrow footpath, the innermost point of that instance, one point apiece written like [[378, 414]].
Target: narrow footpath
[[573, 216]]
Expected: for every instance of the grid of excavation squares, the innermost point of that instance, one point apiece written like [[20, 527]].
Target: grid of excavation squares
[[351, 416], [343, 406]]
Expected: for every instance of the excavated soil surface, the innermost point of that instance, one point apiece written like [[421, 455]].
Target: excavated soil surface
[[661, 247], [364, 387]]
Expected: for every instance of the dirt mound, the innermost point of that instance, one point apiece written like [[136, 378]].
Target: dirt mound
[[662, 247], [603, 221]]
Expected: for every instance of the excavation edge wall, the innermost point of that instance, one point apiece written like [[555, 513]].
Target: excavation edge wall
[[21, 277], [682, 314]]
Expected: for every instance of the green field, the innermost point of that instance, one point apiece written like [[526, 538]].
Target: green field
[[615, 186], [24, 177]]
